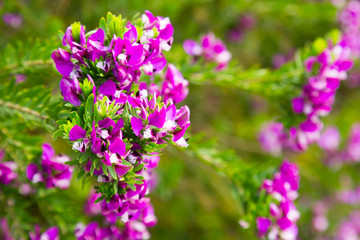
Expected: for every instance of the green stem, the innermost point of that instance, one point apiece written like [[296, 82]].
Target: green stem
[[20, 67], [22, 109]]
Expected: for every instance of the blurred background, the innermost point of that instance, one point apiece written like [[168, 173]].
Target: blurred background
[[193, 201]]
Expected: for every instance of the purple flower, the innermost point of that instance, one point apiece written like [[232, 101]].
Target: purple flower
[[94, 231], [175, 87], [349, 228], [284, 215], [137, 125], [349, 16], [92, 208], [76, 133], [77, 44], [263, 225], [318, 97], [70, 89], [51, 234], [163, 26], [7, 170], [14, 20], [128, 126], [53, 171], [272, 138], [108, 88], [329, 139], [20, 78], [192, 48], [62, 62], [5, 231], [136, 230], [212, 49], [354, 143]]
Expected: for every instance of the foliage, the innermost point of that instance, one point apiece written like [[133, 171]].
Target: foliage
[[205, 189]]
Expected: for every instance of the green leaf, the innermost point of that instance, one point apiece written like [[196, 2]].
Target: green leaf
[[92, 169], [126, 163], [58, 133], [75, 116], [112, 172], [140, 177], [139, 182], [132, 186], [99, 199], [115, 187], [104, 169], [102, 24], [72, 162], [75, 31], [85, 156], [138, 168], [80, 174], [89, 108]]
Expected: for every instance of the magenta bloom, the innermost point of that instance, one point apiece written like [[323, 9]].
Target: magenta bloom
[[349, 228], [329, 139], [70, 89], [122, 59], [50, 234], [349, 18], [175, 87], [317, 98], [14, 20], [92, 208], [263, 225], [53, 170], [353, 144], [284, 215], [210, 48], [7, 170], [4, 230], [272, 138], [130, 123]]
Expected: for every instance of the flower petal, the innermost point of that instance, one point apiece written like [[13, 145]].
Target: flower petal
[[76, 133]]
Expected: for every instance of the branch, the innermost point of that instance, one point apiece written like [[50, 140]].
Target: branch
[[22, 109]]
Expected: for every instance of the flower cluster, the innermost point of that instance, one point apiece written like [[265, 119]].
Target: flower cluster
[[349, 18], [14, 20], [350, 197], [131, 208], [329, 141], [210, 48], [7, 170], [352, 151], [50, 234], [123, 121], [94, 231], [349, 228], [272, 138], [121, 147], [326, 72], [4, 230], [134, 229], [320, 221], [53, 170], [283, 188], [118, 54]]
